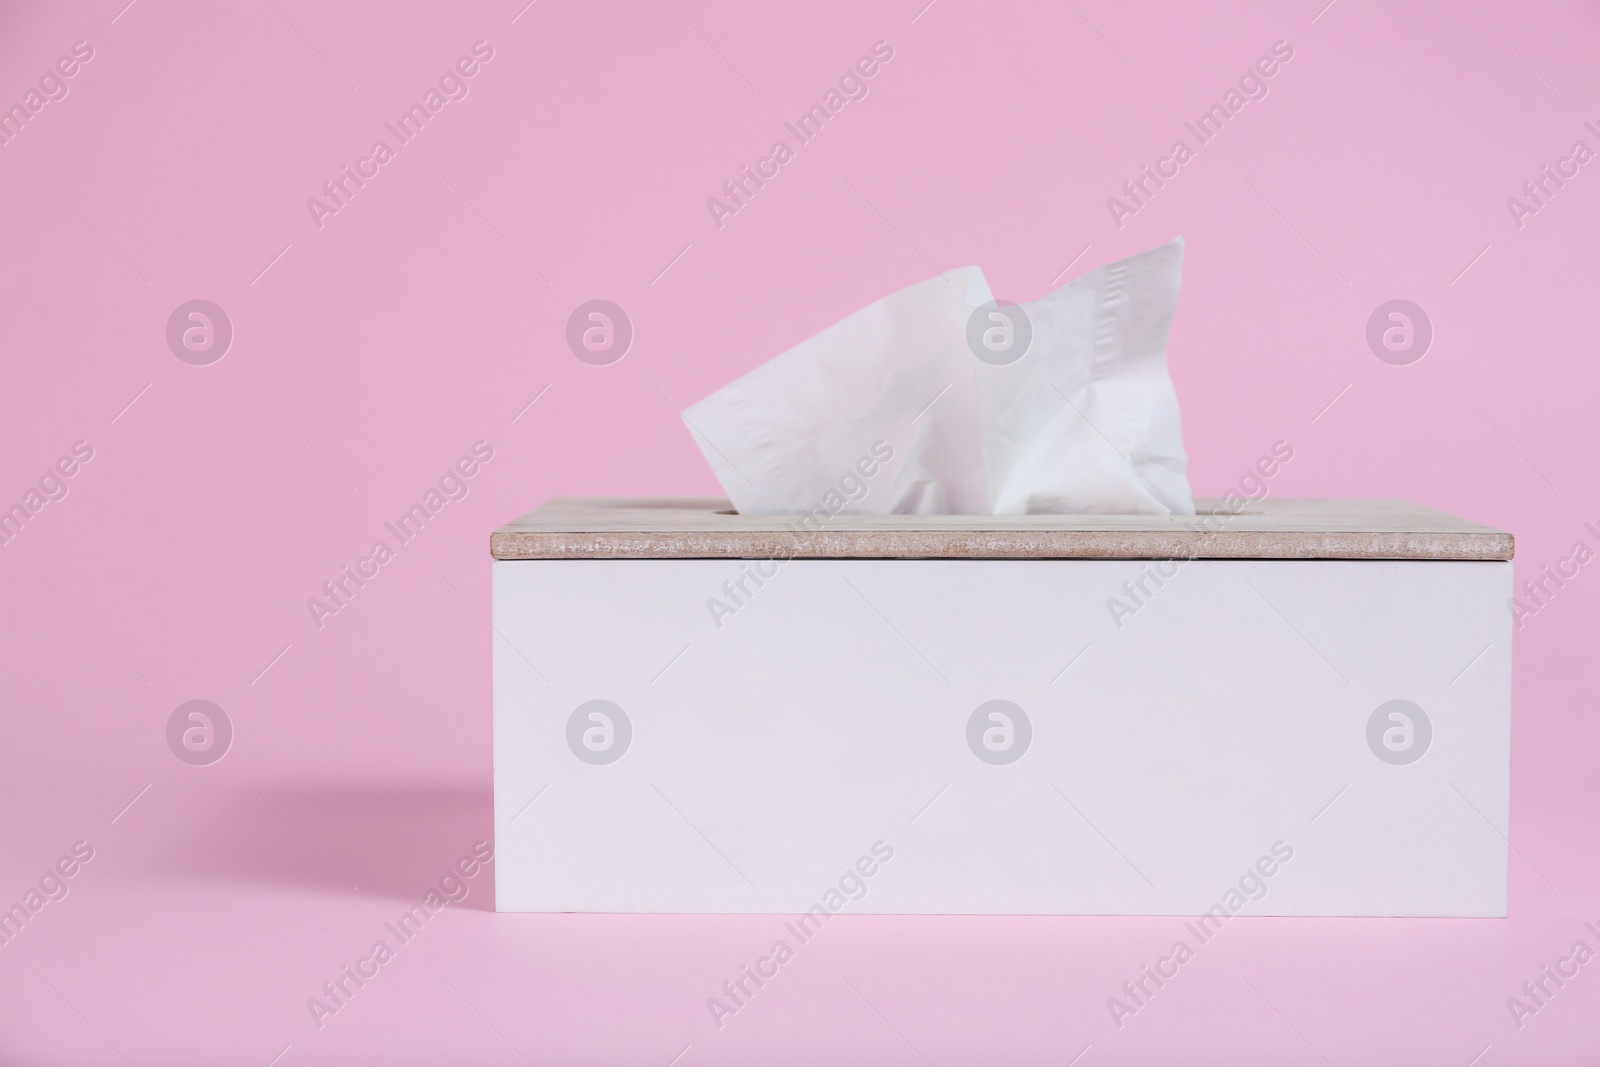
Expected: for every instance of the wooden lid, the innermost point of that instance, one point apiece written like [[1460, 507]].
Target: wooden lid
[[706, 528]]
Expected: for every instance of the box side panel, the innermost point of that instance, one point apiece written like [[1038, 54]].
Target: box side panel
[[1203, 734]]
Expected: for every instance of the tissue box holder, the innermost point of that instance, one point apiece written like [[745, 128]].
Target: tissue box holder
[[1300, 709]]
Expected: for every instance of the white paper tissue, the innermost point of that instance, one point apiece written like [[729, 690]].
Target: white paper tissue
[[890, 411]]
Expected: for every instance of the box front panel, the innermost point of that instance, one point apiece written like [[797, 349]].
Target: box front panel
[[979, 736]]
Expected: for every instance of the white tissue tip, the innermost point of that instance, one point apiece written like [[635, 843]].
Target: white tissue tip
[[939, 400]]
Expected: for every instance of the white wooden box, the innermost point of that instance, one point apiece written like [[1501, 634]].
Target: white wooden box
[[1300, 709]]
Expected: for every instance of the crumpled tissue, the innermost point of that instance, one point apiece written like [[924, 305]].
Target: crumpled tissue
[[939, 400]]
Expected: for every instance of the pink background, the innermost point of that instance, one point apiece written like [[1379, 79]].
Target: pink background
[[412, 324]]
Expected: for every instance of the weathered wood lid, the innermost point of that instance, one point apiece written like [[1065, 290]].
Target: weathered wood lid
[[706, 528]]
